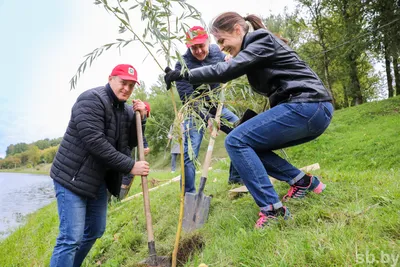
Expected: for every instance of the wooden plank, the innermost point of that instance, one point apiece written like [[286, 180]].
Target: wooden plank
[[243, 189], [176, 179], [311, 167]]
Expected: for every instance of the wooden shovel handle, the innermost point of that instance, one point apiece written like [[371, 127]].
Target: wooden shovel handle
[[207, 160], [145, 188]]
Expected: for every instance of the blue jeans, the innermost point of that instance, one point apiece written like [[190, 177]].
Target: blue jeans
[[234, 176], [173, 161], [196, 136], [250, 145], [82, 221]]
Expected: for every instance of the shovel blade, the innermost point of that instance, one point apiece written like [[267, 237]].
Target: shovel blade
[[196, 211], [156, 261]]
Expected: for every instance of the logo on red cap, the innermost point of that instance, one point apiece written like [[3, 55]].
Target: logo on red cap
[[196, 35], [125, 72]]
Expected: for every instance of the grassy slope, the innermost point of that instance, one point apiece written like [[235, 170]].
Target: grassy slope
[[358, 213]]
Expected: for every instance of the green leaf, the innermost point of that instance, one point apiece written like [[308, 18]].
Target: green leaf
[[124, 22], [133, 7], [127, 43], [150, 44], [126, 15]]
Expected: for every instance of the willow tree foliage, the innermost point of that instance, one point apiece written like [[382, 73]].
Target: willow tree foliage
[[161, 29], [338, 47]]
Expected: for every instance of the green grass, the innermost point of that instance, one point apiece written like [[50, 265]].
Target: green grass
[[39, 169], [355, 219]]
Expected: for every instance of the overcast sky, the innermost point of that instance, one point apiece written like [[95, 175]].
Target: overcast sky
[[44, 41]]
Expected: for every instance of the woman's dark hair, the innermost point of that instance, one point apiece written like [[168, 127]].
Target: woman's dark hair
[[226, 21]]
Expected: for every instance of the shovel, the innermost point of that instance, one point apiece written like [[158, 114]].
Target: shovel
[[153, 260], [197, 205]]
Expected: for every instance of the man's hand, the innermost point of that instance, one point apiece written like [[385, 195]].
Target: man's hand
[[172, 76], [138, 105], [140, 168], [180, 116], [211, 122], [146, 151]]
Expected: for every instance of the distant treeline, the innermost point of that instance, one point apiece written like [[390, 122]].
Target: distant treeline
[[29, 155]]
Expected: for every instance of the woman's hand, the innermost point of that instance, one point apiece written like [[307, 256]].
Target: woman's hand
[[172, 76]]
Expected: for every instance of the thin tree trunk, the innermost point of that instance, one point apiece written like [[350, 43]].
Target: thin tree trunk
[[396, 74], [352, 55], [389, 77], [328, 77], [346, 97], [355, 83]]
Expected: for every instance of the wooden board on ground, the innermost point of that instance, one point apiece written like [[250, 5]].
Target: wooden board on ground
[[175, 179], [243, 189]]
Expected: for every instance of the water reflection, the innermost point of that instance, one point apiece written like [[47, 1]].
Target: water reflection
[[20, 195]]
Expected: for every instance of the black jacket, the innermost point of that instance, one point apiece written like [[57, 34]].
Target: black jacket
[[96, 147], [187, 90], [272, 68]]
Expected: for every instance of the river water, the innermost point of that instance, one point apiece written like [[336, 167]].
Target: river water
[[21, 194]]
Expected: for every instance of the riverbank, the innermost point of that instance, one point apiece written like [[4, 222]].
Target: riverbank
[[38, 169], [22, 194]]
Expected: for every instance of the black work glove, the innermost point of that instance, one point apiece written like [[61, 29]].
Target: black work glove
[[172, 76]]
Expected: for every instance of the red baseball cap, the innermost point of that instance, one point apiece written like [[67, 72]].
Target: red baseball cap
[[196, 35], [125, 72]]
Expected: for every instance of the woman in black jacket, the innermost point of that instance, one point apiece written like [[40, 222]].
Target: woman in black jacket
[[300, 111]]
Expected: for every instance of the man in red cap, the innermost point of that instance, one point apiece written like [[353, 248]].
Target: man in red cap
[[200, 53], [93, 156]]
